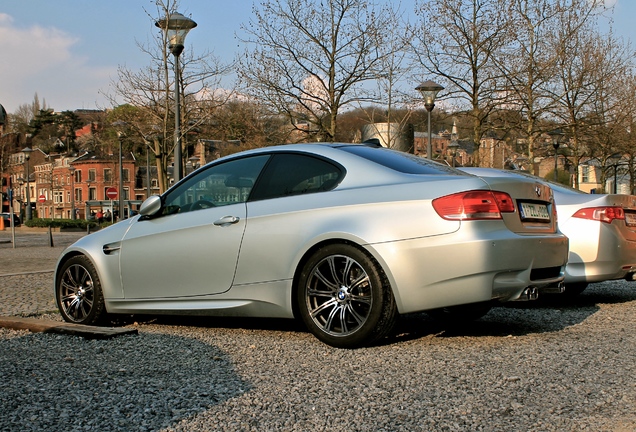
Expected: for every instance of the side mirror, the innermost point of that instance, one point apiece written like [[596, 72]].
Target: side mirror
[[151, 206]]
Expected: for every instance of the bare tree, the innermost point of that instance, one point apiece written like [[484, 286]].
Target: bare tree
[[151, 90], [392, 103], [586, 62], [530, 64], [20, 119], [457, 40], [612, 109], [309, 59]]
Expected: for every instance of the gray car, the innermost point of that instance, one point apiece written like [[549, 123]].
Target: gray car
[[343, 236]]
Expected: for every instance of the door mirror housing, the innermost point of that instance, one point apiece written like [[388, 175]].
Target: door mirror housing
[[151, 206]]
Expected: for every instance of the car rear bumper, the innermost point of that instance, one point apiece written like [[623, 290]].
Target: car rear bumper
[[455, 269], [612, 257]]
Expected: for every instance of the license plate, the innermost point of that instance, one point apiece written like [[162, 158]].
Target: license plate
[[630, 219], [534, 211]]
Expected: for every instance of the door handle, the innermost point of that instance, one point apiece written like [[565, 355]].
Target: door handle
[[227, 220]]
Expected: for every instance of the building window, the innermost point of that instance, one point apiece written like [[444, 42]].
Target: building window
[[154, 183], [108, 175], [585, 175], [125, 175], [68, 196], [92, 175], [78, 176], [78, 195], [58, 197], [92, 194], [126, 194]]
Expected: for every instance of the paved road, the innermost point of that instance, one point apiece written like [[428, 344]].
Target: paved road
[[26, 271]]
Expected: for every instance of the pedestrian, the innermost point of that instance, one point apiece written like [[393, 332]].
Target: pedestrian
[[100, 216]]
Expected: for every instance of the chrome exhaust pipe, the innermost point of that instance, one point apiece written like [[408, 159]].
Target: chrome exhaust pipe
[[528, 294], [554, 289]]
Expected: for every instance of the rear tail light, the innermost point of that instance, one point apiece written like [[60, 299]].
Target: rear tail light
[[602, 214], [474, 205]]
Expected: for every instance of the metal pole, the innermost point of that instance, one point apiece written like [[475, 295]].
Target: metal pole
[[556, 160], [177, 173], [121, 179], [72, 193], [147, 173], [429, 147], [28, 198], [615, 180], [11, 213]]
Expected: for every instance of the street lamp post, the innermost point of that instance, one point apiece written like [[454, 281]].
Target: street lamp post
[[429, 91], [615, 158], [176, 27], [147, 173], [72, 171], [556, 137], [120, 135], [27, 155]]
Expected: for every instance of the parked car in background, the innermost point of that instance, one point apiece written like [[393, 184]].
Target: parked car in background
[[7, 219], [342, 236], [601, 229]]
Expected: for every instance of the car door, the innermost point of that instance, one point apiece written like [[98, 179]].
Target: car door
[[192, 247]]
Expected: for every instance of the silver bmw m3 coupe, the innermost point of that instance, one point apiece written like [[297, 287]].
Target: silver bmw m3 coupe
[[344, 237]]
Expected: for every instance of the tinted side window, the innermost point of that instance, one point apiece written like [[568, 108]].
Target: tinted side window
[[290, 174], [226, 183]]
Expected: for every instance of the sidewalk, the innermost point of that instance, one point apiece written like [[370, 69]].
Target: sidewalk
[[33, 251]]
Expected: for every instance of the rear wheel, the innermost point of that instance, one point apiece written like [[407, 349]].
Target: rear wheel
[[344, 297], [460, 314], [78, 292]]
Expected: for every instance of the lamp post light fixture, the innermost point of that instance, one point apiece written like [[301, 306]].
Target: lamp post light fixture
[[27, 155], [176, 28], [556, 135], [429, 90], [72, 171]]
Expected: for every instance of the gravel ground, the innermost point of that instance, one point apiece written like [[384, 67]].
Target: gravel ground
[[551, 365]]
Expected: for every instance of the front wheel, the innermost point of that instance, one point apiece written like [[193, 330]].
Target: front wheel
[[344, 297], [78, 292]]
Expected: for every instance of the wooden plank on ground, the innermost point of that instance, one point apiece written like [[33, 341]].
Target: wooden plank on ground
[[48, 326]]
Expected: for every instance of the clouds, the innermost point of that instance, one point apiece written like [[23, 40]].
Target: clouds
[[42, 60]]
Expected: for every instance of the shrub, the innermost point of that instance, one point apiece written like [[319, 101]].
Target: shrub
[[60, 223]]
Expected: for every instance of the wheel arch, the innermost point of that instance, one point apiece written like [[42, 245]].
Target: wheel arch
[[72, 253], [332, 241]]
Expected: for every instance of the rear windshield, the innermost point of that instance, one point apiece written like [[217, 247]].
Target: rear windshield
[[400, 161]]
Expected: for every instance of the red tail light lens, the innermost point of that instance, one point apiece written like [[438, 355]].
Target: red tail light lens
[[474, 205], [602, 214]]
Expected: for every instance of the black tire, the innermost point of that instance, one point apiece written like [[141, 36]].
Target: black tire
[[78, 292], [460, 314], [344, 297], [574, 289]]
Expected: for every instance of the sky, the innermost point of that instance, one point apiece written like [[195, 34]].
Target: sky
[[68, 51]]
